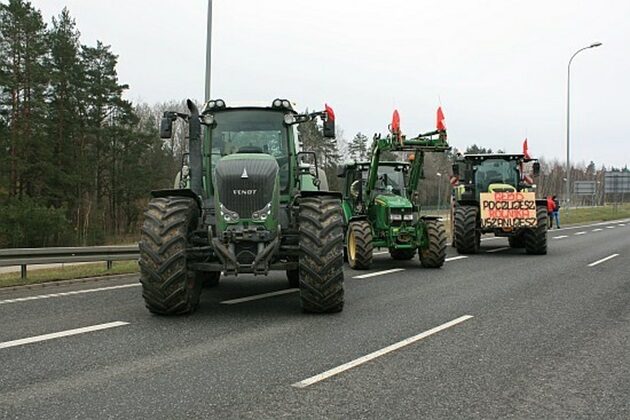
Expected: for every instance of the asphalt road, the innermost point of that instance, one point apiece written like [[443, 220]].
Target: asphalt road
[[495, 335]]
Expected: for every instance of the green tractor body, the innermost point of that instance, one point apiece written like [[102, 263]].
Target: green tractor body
[[245, 202], [485, 180], [380, 203]]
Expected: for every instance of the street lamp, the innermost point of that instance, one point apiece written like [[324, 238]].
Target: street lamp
[[439, 190], [568, 191]]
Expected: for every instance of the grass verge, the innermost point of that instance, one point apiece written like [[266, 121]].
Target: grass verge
[[594, 214], [67, 272]]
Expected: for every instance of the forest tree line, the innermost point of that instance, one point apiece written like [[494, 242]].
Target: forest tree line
[[78, 160]]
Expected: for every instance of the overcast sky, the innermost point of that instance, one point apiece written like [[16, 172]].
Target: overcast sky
[[498, 68]]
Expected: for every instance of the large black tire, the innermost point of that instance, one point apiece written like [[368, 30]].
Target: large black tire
[[434, 254], [467, 236], [359, 245], [293, 276], [402, 254], [321, 259], [535, 240], [208, 279], [516, 241], [168, 286]]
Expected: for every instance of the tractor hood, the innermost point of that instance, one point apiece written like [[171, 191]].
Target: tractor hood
[[245, 182], [392, 201]]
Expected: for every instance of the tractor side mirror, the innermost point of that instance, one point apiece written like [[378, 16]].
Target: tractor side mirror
[[329, 129], [329, 123], [455, 169], [536, 168], [166, 127]]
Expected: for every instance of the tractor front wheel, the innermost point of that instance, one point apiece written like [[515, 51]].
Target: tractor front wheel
[[535, 239], [466, 236], [434, 254], [321, 258], [168, 286], [359, 245]]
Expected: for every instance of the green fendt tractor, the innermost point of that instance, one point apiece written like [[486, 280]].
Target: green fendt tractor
[[245, 203], [497, 183], [381, 208]]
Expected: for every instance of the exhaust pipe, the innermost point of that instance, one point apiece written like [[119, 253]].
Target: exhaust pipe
[[194, 149]]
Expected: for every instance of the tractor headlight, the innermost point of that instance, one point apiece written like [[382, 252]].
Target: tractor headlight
[[228, 215], [262, 214], [289, 119], [408, 217], [394, 217]]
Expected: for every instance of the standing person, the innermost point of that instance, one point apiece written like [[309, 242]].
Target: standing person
[[550, 208], [556, 211]]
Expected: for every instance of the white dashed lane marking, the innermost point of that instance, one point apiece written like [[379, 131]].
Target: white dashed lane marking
[[60, 334]]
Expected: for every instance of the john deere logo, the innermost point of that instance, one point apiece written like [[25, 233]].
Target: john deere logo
[[244, 192], [244, 174]]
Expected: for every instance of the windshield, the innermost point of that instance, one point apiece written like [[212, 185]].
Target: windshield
[[390, 180], [252, 131], [495, 171]]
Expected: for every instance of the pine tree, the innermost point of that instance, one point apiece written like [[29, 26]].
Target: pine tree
[[23, 84], [358, 147]]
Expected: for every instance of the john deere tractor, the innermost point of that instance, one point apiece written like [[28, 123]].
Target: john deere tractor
[[493, 194], [244, 203], [381, 206]]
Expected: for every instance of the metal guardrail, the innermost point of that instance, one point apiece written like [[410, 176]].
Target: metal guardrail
[[29, 256]]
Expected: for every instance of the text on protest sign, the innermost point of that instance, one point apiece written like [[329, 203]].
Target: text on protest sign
[[508, 210]]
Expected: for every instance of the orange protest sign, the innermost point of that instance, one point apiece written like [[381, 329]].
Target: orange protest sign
[[508, 210]]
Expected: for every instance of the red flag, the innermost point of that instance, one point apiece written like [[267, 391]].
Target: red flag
[[330, 114], [395, 127], [526, 150], [440, 120]]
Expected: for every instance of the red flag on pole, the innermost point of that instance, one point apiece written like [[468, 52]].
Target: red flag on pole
[[526, 150], [440, 119], [330, 114], [395, 122]]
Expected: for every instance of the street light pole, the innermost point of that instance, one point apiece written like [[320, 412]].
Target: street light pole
[[568, 187], [208, 50]]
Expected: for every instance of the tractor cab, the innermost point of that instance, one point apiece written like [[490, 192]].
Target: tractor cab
[[498, 172]]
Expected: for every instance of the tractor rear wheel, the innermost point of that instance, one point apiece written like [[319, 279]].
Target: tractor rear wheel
[[359, 245], [535, 239], [294, 278], [208, 279], [321, 259], [168, 286], [516, 241], [402, 254], [467, 237], [434, 254]]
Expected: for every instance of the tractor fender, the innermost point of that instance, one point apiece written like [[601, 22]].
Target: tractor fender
[[358, 217], [183, 192], [430, 217], [541, 202], [335, 194]]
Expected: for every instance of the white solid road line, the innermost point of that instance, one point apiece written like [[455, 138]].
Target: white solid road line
[[74, 292], [361, 360], [503, 248], [560, 237], [610, 257], [459, 257], [66, 333], [597, 230], [580, 233], [378, 273], [261, 296]]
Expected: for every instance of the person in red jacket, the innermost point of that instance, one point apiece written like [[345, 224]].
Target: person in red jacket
[[551, 207]]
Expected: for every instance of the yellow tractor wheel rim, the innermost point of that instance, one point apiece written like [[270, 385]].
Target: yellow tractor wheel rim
[[352, 246]]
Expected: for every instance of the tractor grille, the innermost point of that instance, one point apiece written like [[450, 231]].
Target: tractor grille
[[241, 194]]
